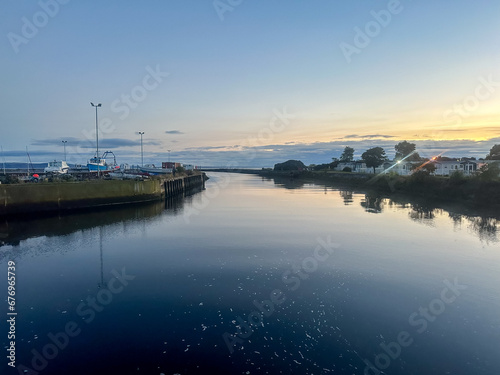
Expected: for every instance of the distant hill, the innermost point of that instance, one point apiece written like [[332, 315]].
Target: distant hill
[[23, 165]]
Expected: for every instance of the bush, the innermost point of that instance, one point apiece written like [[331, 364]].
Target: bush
[[9, 179], [290, 165], [457, 178], [347, 169], [321, 167], [489, 172]]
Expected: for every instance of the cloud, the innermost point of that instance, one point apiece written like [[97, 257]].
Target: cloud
[[369, 136], [261, 155], [105, 143], [322, 152], [173, 132], [22, 153], [55, 141], [454, 130]]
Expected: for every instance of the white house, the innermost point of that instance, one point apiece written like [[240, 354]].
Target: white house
[[359, 167], [446, 168], [404, 168]]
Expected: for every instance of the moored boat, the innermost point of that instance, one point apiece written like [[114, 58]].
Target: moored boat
[[57, 167], [152, 169], [101, 164]]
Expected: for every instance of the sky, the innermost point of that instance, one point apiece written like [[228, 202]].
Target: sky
[[247, 83]]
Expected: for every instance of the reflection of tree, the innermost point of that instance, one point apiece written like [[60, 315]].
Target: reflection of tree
[[423, 214], [399, 205], [288, 182], [373, 203], [457, 219], [485, 227], [347, 196]]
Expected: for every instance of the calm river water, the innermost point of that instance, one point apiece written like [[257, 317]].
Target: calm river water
[[255, 276]]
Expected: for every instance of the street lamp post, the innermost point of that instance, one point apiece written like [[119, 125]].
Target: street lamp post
[[142, 154], [64, 144], [96, 136]]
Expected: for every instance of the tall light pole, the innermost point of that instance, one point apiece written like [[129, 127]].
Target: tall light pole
[[142, 154], [96, 136], [64, 144]]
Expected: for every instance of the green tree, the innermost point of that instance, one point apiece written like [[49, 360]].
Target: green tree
[[489, 172], [425, 167], [374, 157], [290, 165], [348, 154], [334, 163], [404, 149], [494, 153]]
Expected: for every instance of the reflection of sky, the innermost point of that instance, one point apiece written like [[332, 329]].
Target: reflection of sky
[[279, 199], [192, 279], [228, 77]]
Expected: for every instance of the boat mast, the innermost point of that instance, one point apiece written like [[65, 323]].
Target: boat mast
[[28, 157], [97, 137], [3, 157]]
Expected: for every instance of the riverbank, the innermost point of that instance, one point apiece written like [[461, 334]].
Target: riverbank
[[25, 198], [470, 191]]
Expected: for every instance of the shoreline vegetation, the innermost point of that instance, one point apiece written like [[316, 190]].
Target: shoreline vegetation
[[479, 191], [473, 183]]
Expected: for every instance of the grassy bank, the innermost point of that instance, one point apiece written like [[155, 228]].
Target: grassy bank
[[479, 191]]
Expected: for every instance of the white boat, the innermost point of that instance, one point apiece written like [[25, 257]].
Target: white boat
[[101, 164], [152, 169], [57, 167]]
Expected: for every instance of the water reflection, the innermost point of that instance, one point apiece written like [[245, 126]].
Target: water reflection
[[485, 226], [346, 196], [286, 182], [15, 230], [192, 281], [373, 203], [423, 214]]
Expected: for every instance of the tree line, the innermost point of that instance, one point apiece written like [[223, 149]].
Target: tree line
[[376, 156]]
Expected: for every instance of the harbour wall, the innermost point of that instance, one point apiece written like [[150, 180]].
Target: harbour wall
[[19, 199]]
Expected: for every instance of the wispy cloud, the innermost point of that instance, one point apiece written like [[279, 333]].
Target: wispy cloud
[[369, 136], [22, 153], [55, 141], [269, 154], [173, 132], [104, 143]]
